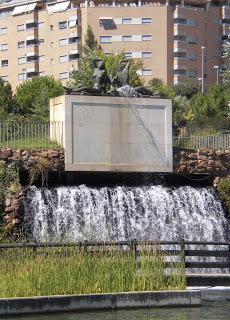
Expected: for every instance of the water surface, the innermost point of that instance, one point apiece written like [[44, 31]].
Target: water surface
[[209, 311]]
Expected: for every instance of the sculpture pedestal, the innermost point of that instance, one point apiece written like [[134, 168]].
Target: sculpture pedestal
[[103, 133]]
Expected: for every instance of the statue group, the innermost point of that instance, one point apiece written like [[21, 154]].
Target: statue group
[[105, 85]]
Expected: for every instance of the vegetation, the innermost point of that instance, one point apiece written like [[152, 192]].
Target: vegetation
[[84, 75], [74, 271], [32, 97], [9, 183], [224, 191]]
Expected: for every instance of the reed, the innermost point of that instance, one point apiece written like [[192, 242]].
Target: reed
[[55, 271]]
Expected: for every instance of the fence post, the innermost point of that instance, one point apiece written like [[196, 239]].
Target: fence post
[[134, 248], [182, 246]]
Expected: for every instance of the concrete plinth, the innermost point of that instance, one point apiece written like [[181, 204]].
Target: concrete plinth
[[104, 133]]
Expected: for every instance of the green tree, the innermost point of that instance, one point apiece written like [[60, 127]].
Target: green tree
[[90, 41], [84, 75], [187, 88], [6, 99], [159, 87], [210, 110], [32, 97], [226, 56]]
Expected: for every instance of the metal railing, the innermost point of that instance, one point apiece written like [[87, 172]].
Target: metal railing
[[181, 248], [217, 141], [39, 135]]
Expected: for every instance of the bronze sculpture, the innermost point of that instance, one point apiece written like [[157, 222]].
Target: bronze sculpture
[[102, 84]]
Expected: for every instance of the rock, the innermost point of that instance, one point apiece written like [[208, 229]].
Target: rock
[[192, 156], [7, 202], [6, 153], [9, 209]]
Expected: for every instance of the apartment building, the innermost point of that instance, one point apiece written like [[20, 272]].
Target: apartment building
[[176, 39]]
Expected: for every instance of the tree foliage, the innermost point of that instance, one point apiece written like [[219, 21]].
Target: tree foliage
[[84, 75], [32, 97], [6, 99], [210, 110], [90, 41], [159, 87], [187, 88], [226, 56]]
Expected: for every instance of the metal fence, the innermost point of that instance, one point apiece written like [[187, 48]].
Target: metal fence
[[41, 135], [217, 141]]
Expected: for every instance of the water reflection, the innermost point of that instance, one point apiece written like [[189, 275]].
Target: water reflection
[[209, 311]]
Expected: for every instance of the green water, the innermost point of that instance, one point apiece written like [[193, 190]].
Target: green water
[[209, 311]]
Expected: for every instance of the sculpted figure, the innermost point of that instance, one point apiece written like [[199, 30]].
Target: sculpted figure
[[100, 80], [121, 78]]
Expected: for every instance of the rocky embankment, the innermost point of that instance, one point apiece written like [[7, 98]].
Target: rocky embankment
[[211, 162], [34, 164]]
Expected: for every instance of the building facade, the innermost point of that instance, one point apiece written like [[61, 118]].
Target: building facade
[[176, 39]]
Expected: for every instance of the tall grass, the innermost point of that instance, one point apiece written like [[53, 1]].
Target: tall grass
[[75, 271]]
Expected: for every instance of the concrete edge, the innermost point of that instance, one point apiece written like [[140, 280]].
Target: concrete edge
[[90, 302]]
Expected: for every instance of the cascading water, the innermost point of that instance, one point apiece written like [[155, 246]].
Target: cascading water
[[123, 213]]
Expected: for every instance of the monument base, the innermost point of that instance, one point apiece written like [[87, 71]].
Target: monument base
[[103, 133]]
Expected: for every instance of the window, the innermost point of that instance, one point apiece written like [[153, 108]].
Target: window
[[63, 59], [74, 56], [20, 27], [105, 39], [146, 54], [32, 42], [128, 54], [72, 23], [41, 74], [22, 76], [192, 40], [180, 72], [3, 31], [51, 44], [181, 55], [64, 75], [4, 63], [41, 58], [146, 72], [191, 23], [63, 42], [180, 20], [146, 20], [192, 56], [51, 27], [51, 61], [32, 58], [41, 41], [4, 47], [41, 24], [62, 25], [126, 38], [73, 40], [32, 74], [126, 20], [4, 78], [192, 73], [179, 37], [21, 60], [31, 25], [21, 44], [146, 37]]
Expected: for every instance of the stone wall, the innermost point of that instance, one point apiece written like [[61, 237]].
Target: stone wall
[[32, 164], [210, 162]]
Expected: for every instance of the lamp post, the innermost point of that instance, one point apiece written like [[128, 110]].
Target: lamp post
[[217, 74], [202, 68]]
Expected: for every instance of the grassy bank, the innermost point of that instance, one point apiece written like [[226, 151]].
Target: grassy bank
[[74, 271]]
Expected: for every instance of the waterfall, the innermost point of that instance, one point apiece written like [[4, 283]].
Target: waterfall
[[153, 212]]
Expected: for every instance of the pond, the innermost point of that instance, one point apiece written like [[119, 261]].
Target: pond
[[219, 310]]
